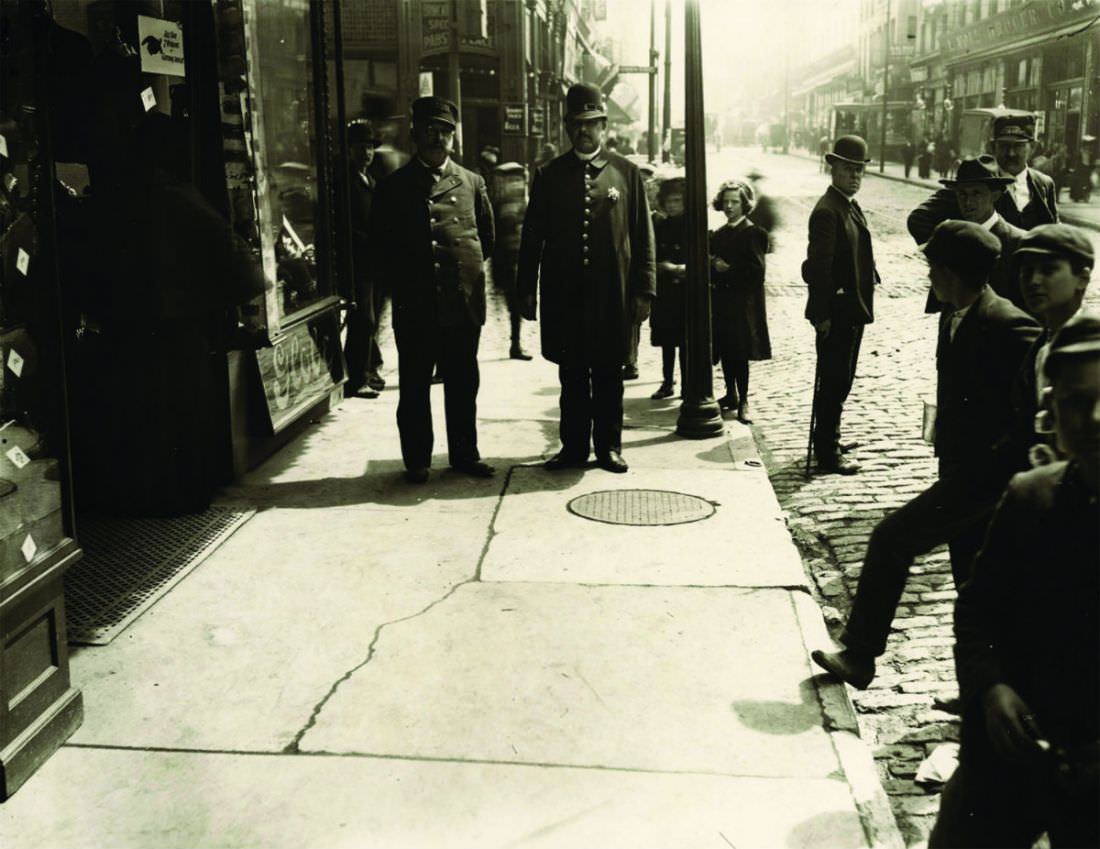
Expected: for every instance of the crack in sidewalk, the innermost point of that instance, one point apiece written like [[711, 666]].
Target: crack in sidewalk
[[294, 746]]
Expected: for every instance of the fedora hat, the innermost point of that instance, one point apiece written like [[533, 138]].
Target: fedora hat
[[584, 101], [852, 149], [361, 131], [979, 169]]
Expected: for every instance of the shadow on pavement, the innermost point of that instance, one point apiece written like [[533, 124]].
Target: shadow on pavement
[[782, 717]]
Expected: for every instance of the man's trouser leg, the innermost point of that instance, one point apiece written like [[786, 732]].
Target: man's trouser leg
[[607, 409], [461, 379], [360, 339], [416, 356], [837, 355], [948, 507], [575, 429], [988, 808], [635, 340]]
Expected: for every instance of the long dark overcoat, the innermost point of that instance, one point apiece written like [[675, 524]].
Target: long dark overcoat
[[740, 317], [429, 240], [588, 244], [840, 268], [666, 322]]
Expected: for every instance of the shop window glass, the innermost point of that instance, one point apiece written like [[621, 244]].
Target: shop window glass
[[285, 81]]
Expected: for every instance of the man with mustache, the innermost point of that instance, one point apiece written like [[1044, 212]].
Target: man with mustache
[[1029, 200], [588, 244], [432, 228]]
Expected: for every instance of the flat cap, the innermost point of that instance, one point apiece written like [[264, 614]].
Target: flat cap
[[1057, 240], [964, 247], [1080, 336], [432, 108]]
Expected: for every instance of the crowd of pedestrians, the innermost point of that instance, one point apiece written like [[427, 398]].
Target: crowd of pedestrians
[[598, 247]]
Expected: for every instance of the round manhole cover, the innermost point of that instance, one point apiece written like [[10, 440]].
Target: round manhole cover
[[641, 507]]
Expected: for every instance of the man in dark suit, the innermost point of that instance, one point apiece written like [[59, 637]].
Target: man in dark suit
[[588, 238], [1026, 652], [431, 229], [1030, 199], [362, 319], [980, 348], [840, 273], [978, 185]]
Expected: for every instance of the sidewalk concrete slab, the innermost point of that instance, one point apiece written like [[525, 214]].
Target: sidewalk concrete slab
[[744, 543], [238, 654], [364, 803], [590, 676]]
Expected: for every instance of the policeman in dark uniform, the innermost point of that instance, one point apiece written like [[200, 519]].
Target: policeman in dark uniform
[[587, 247], [432, 227]]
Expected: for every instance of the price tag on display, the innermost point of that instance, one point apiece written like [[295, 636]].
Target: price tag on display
[[3, 146], [18, 457], [29, 548], [22, 261], [148, 99], [15, 362]]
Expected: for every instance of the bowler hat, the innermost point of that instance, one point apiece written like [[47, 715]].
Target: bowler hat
[[966, 248], [584, 101], [980, 169], [1057, 240], [1077, 337], [1014, 128], [361, 131], [432, 108], [851, 149]]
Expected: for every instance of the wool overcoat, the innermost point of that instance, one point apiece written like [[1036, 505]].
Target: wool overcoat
[[840, 264], [588, 244]]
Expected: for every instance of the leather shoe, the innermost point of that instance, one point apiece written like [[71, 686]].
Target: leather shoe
[[475, 469], [663, 391], [836, 466], [376, 381], [743, 413], [417, 475], [359, 392], [630, 372], [728, 402], [612, 461], [949, 704], [845, 447], [854, 669], [561, 460], [517, 353]]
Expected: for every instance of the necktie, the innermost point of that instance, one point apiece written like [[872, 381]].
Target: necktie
[[857, 213], [953, 324]]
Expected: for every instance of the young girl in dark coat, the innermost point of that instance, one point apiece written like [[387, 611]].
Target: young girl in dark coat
[[740, 320], [666, 323]]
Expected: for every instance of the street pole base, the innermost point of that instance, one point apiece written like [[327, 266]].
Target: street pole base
[[700, 418]]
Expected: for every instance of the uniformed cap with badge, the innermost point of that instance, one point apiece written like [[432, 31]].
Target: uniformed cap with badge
[[1014, 128], [583, 102], [432, 108]]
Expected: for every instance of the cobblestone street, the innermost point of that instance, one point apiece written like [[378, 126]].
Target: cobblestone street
[[831, 517]]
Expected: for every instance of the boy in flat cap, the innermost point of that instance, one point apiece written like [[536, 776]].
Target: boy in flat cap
[[840, 277], [1029, 200], [588, 244], [432, 228], [1054, 262], [1026, 622], [981, 345]]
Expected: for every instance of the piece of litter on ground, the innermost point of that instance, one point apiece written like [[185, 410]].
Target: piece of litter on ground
[[939, 766]]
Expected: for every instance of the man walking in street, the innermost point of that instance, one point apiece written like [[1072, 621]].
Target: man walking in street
[[840, 273], [1027, 654], [980, 348], [431, 228], [1030, 198], [588, 244]]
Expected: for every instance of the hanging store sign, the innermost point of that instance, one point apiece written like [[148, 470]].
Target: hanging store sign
[[513, 119], [301, 368], [537, 117], [435, 27], [161, 46]]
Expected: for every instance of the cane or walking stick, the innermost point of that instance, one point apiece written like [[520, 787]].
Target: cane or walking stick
[[813, 411]]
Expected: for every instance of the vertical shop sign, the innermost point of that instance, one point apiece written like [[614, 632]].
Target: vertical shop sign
[[513, 119], [537, 122], [435, 26], [161, 46]]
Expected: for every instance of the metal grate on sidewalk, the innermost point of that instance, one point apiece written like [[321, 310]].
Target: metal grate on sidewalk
[[128, 564], [641, 507]]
